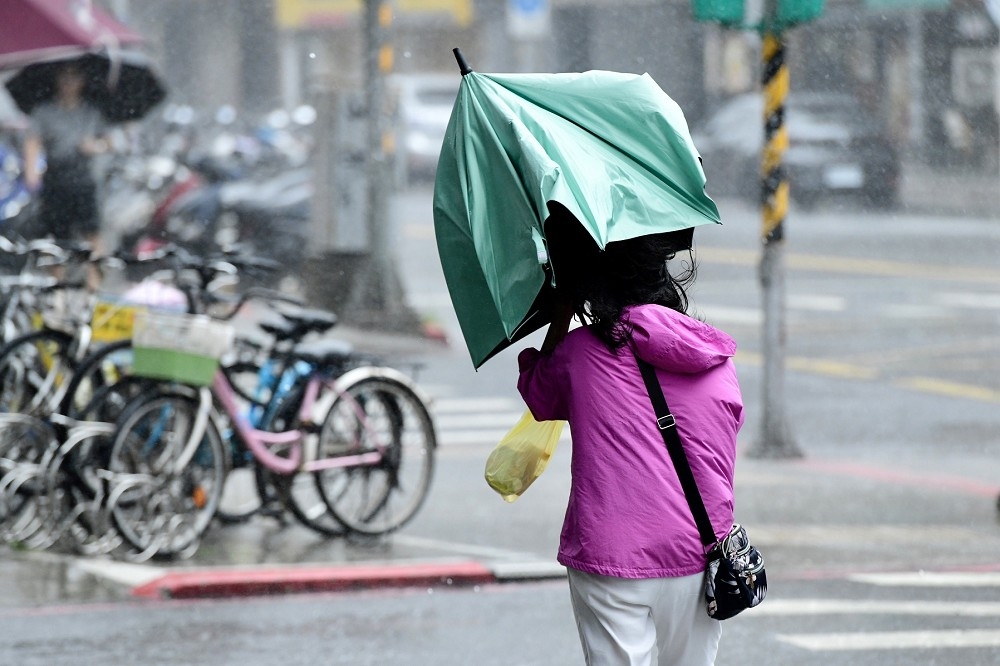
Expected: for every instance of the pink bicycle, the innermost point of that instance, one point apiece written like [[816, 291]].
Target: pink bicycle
[[353, 448]]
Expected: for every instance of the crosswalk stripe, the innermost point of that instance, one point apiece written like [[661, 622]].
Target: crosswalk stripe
[[894, 640], [815, 536], [930, 578], [458, 548], [817, 302], [801, 607], [977, 301], [726, 315], [477, 405], [479, 436], [476, 421], [470, 437]]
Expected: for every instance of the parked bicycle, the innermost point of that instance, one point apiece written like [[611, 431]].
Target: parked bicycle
[[137, 465]]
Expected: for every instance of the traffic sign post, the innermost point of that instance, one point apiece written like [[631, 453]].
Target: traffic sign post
[[771, 18], [529, 19]]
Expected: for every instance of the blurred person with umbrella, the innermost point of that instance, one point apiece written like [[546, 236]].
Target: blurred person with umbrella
[[71, 105], [69, 130], [568, 195], [73, 80]]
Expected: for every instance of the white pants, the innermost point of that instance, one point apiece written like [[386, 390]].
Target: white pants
[[643, 621]]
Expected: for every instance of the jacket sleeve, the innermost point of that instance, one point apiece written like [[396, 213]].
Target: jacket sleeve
[[540, 387]]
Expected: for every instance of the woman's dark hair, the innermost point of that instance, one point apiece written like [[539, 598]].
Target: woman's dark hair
[[601, 285]]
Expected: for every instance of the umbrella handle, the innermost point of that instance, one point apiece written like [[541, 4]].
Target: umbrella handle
[[462, 65]]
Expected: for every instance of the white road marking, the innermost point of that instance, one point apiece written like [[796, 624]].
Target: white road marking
[[474, 405], [125, 573], [464, 548], [816, 536], [470, 437], [732, 315], [477, 420], [800, 607], [930, 578], [725, 315], [528, 570], [975, 301], [479, 437], [817, 302], [894, 640]]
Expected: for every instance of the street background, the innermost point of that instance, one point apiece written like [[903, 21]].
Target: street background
[[881, 542]]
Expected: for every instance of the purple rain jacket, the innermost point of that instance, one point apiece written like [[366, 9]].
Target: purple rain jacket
[[627, 514]]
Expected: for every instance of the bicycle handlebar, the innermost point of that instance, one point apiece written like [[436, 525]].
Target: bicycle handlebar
[[254, 293]]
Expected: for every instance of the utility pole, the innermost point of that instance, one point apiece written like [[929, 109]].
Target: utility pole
[[775, 435], [770, 18], [376, 292]]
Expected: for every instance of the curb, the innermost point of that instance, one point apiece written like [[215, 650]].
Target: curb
[[239, 582]]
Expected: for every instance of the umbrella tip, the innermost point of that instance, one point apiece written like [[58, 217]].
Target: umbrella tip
[[462, 65]]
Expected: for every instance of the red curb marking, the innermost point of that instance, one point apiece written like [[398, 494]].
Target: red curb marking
[[923, 480], [206, 583]]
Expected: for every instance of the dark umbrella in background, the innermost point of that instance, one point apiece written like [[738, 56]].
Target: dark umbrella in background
[[124, 85], [37, 30], [37, 36]]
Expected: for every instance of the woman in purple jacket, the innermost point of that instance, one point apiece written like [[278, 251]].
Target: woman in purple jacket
[[629, 541]]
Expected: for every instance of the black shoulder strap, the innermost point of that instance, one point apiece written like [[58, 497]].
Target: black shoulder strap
[[668, 428]]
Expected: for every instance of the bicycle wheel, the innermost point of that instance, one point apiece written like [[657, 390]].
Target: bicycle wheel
[[381, 414], [76, 485], [297, 492], [24, 441], [103, 384], [249, 489], [34, 370], [165, 506]]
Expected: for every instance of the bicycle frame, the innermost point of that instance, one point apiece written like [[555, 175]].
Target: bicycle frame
[[303, 457]]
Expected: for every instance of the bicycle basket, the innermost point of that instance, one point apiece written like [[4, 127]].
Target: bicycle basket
[[179, 347]]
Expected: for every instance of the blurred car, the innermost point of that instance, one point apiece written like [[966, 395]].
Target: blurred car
[[424, 103], [834, 147]]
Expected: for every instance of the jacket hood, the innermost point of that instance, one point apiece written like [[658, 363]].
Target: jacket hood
[[676, 342]]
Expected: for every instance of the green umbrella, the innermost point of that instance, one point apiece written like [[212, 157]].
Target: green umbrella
[[612, 148]]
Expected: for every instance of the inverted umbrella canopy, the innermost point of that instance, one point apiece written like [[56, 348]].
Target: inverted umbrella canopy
[[124, 86], [613, 149], [36, 30]]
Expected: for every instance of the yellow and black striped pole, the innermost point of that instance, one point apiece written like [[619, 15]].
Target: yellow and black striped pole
[[774, 191], [775, 437]]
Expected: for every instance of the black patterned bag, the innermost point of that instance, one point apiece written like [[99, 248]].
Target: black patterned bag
[[735, 578]]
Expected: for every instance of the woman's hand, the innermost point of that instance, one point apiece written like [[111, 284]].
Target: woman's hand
[[562, 316]]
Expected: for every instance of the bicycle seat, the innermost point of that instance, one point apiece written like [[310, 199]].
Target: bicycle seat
[[311, 319], [325, 352], [281, 330], [296, 325]]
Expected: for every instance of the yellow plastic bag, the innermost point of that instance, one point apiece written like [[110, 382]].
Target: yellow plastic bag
[[522, 455]]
